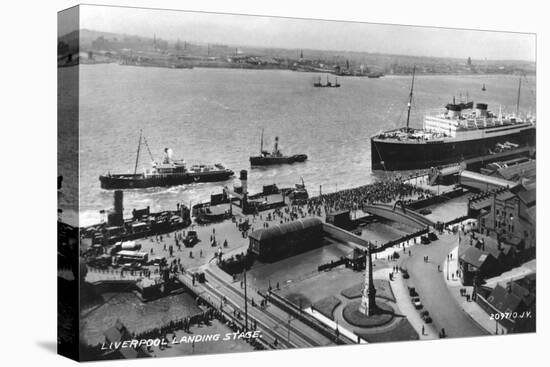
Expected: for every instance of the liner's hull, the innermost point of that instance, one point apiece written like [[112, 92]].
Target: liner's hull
[[391, 155], [267, 161], [139, 181]]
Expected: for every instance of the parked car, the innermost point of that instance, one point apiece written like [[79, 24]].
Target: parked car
[[427, 319], [425, 211], [412, 292], [424, 240], [417, 304], [432, 236]]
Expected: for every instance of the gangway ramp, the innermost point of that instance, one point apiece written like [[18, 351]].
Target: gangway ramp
[[482, 182], [399, 214]]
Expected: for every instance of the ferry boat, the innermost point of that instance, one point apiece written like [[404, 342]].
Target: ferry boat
[[169, 172], [461, 132]]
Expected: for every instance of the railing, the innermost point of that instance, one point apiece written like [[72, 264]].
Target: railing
[[307, 319]]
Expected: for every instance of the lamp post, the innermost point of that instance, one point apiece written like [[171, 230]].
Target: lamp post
[[288, 328], [245, 304], [448, 264]]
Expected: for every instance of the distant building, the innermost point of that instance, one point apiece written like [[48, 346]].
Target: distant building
[[512, 305], [285, 240], [510, 217], [482, 257], [476, 264]]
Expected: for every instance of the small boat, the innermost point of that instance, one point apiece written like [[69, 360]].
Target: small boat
[[318, 84], [275, 157], [483, 88]]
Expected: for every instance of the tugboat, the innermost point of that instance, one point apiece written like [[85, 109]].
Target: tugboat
[[168, 173], [276, 157], [317, 84]]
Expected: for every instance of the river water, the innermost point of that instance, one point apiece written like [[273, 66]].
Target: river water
[[216, 115]]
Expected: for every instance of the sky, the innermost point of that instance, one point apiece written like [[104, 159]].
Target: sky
[[273, 32]]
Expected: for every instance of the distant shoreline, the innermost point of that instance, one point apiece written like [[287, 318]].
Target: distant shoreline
[[305, 72]]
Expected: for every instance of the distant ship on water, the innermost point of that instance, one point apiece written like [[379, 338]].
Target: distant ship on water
[[275, 157], [453, 136], [317, 83], [169, 172]]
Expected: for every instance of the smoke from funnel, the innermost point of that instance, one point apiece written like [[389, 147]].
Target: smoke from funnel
[[168, 154]]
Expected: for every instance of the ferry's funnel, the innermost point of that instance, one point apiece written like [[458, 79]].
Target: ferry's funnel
[[454, 110], [481, 110], [244, 178]]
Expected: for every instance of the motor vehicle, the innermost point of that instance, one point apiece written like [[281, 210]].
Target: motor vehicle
[[432, 236], [100, 262], [191, 238], [412, 292], [425, 211], [424, 240], [157, 260], [131, 266], [417, 304]]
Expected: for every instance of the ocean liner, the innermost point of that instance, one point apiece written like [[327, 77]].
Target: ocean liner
[[169, 172], [462, 132]]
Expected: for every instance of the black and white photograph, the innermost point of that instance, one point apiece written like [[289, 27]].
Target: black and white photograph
[[274, 183], [233, 183]]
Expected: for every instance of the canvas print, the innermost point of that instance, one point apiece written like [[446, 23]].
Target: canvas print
[[235, 183]]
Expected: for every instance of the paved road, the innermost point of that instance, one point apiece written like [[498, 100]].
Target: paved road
[[434, 294]]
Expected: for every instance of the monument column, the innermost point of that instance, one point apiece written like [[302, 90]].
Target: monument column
[[368, 300]]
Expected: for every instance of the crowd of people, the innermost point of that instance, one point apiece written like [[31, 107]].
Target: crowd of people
[[385, 191]]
